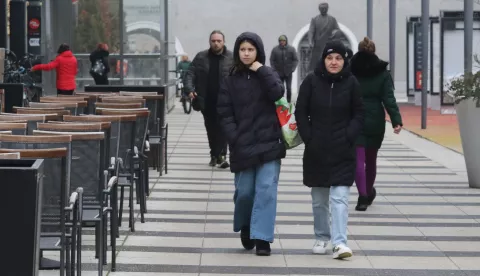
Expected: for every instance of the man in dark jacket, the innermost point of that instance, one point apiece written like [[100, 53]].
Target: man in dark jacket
[[202, 81], [284, 60]]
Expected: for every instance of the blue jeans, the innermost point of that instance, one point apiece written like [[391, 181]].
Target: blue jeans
[[256, 200], [338, 198]]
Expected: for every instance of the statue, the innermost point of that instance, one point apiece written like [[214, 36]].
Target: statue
[[323, 28]]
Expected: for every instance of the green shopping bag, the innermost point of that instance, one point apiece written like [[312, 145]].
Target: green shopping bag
[[286, 117]]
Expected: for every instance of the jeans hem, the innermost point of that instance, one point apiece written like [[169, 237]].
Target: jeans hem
[[263, 238]]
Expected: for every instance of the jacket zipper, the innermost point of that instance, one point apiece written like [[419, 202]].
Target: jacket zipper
[[330, 118]]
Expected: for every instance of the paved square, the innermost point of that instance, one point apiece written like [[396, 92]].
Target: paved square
[[425, 220]]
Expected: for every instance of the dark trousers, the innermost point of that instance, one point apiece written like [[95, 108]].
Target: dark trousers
[[216, 138], [101, 80], [287, 80], [366, 170], [64, 92]]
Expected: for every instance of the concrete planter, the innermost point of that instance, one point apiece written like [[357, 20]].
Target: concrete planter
[[468, 115]]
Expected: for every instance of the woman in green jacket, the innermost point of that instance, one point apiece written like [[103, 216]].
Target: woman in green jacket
[[376, 86]]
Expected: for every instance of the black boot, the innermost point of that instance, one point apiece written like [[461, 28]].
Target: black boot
[[263, 248], [362, 203], [245, 238], [372, 196], [213, 161]]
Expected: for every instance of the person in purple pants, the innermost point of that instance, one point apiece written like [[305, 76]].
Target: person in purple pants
[[376, 86]]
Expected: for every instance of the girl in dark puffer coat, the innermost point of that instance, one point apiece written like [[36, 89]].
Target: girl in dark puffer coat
[[246, 108]]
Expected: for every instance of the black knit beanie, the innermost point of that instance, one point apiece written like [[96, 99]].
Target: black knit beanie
[[335, 46]]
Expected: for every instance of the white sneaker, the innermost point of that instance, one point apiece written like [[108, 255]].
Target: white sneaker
[[320, 247], [341, 252]]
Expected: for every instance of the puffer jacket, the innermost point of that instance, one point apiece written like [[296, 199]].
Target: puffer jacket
[[330, 117], [246, 108]]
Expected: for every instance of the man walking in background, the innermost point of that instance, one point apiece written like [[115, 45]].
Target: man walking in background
[[202, 81], [284, 60]]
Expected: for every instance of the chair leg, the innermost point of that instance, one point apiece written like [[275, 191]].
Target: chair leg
[[100, 245], [113, 230], [68, 264], [73, 250], [79, 250], [166, 149], [120, 211], [132, 206], [105, 238], [97, 241]]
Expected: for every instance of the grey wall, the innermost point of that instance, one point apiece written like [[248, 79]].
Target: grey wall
[[195, 19]]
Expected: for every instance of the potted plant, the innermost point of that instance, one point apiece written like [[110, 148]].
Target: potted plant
[[466, 92]]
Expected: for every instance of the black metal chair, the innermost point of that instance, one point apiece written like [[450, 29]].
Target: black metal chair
[[89, 171]]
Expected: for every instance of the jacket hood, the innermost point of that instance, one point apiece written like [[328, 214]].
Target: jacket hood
[[283, 37], [255, 40], [66, 54], [365, 64]]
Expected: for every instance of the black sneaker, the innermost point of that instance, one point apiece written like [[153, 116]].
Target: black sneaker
[[372, 197], [213, 161], [222, 162], [247, 243], [362, 203], [263, 248]]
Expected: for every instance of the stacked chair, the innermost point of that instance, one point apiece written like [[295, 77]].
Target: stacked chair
[[95, 145]]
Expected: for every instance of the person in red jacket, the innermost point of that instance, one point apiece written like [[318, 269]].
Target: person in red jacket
[[66, 65]]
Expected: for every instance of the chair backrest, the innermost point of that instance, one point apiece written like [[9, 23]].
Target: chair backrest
[[141, 128], [88, 162], [31, 119], [118, 105], [104, 127], [55, 178], [12, 155], [63, 99], [123, 99], [122, 130], [94, 97], [15, 128], [76, 108], [28, 110]]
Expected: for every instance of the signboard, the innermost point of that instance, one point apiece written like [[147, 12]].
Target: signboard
[[34, 27], [417, 55]]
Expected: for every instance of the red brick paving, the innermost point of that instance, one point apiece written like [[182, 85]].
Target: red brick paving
[[441, 128]]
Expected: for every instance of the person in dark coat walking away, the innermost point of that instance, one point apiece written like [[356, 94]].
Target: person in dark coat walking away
[[100, 56], [202, 82], [284, 60], [376, 86], [66, 66], [329, 115], [246, 106]]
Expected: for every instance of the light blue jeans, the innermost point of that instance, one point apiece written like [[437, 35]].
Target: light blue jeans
[[338, 197], [256, 200]]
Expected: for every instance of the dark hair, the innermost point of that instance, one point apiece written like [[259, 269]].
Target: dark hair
[[216, 32], [101, 46], [366, 45], [63, 48], [238, 65]]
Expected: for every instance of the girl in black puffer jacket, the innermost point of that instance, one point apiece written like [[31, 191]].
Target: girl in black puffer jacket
[[246, 107]]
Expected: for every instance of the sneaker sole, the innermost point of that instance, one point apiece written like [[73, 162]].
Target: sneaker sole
[[343, 255], [319, 252]]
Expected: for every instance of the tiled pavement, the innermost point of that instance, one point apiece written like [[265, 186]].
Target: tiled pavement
[[425, 220]]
